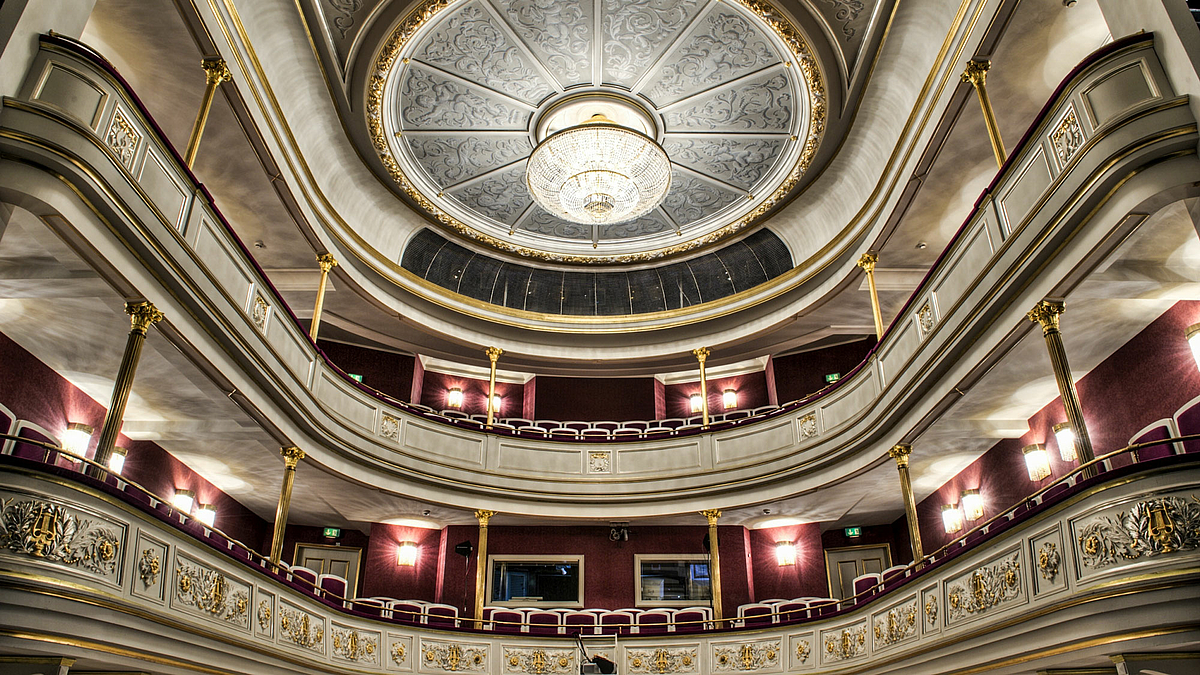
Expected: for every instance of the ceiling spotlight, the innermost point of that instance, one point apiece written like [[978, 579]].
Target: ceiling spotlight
[[921, 245]]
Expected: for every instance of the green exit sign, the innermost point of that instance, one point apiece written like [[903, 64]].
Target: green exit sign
[[853, 531], [832, 377], [332, 532], [356, 378]]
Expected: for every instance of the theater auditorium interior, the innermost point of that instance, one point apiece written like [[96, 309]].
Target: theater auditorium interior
[[582, 336]]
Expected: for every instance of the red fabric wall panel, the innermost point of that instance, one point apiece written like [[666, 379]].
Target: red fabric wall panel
[[383, 577], [436, 385], [798, 375], [805, 578], [751, 389], [591, 399], [387, 372]]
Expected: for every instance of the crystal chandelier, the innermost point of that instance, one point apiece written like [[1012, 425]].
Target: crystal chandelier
[[598, 172]]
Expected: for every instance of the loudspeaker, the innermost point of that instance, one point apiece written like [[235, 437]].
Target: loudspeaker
[[707, 546], [464, 549]]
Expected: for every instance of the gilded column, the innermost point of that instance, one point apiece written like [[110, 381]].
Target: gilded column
[[141, 316], [215, 72], [714, 562], [327, 263], [701, 355], [483, 516], [900, 453], [976, 76], [867, 262], [493, 354], [291, 457], [1046, 313]]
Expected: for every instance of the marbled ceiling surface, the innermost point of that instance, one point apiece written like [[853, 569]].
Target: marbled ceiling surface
[[464, 89]]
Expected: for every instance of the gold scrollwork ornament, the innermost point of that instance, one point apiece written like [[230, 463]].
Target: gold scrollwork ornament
[[148, 568], [802, 651], [1149, 528], [45, 530], [1049, 560]]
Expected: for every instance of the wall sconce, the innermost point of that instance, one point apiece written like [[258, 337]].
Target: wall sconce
[[454, 398], [183, 500], [116, 461], [729, 398], [1065, 436], [785, 553], [77, 438], [1193, 338], [697, 403], [206, 513], [1037, 461], [972, 504], [496, 401], [406, 555], [952, 518]]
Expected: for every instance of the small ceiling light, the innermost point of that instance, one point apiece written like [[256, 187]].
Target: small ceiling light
[[1037, 462], [697, 402], [77, 438], [496, 401], [785, 553], [729, 398], [454, 398], [596, 162], [116, 461], [1066, 441], [972, 504], [952, 518], [406, 555], [183, 500], [1193, 338], [206, 513]]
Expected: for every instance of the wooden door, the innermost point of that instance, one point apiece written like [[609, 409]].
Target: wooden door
[[844, 564], [340, 560]]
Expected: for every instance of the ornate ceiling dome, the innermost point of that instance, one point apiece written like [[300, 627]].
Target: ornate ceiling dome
[[462, 92]]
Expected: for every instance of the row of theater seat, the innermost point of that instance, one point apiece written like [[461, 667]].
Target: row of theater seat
[[627, 621]]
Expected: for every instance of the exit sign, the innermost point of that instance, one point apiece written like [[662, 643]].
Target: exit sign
[[356, 378], [853, 531], [332, 532], [832, 377]]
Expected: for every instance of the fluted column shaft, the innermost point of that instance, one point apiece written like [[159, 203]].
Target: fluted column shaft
[[327, 262], [900, 453], [701, 355], [215, 72], [714, 562], [291, 457], [493, 354], [1046, 313], [976, 75], [483, 516], [141, 316], [867, 262]]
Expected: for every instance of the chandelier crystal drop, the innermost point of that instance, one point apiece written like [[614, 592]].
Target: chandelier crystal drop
[[598, 173]]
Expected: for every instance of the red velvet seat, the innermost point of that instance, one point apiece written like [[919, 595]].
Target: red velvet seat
[[1187, 421], [579, 622], [1159, 431], [544, 622], [653, 621], [692, 619], [616, 621]]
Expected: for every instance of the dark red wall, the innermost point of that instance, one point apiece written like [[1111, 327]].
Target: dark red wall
[[798, 375], [36, 393], [751, 389], [383, 577], [303, 534], [806, 578], [387, 372], [591, 399], [435, 386], [1147, 379]]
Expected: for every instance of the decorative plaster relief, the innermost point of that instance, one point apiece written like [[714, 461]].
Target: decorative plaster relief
[[1150, 528], [207, 592], [747, 656], [1067, 137], [636, 32], [559, 32], [62, 535], [453, 656], [896, 624], [262, 614], [802, 656], [122, 138], [399, 652], [848, 643], [450, 160], [389, 427], [762, 103], [151, 562], [354, 645], [692, 198], [724, 47], [259, 313], [925, 318], [987, 587], [808, 425], [538, 661], [599, 461], [662, 660], [437, 102], [302, 628]]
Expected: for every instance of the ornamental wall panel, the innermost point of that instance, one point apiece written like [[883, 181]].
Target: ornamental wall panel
[[994, 587], [163, 187], [293, 349], [453, 656], [763, 655], [659, 457], [1137, 532], [1118, 91], [846, 642], [459, 447], [1049, 565], [969, 258], [264, 614], [539, 460], [72, 92], [349, 644], [1025, 190], [661, 659], [399, 655], [538, 660], [849, 401], [212, 250], [932, 616], [803, 651], [897, 623], [904, 342], [757, 442], [148, 566], [35, 529], [202, 590], [300, 629], [350, 406]]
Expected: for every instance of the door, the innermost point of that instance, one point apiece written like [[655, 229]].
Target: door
[[340, 560], [844, 564]]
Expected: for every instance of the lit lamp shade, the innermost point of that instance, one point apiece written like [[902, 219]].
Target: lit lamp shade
[[1037, 462], [454, 398], [972, 504], [406, 555], [697, 402], [77, 438], [785, 553], [952, 518], [1066, 441], [207, 514], [116, 461], [1193, 338], [183, 500], [496, 401], [729, 398]]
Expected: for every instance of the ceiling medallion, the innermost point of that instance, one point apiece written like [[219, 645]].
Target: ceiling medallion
[[482, 112]]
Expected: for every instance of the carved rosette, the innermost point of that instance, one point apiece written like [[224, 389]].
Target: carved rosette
[[931, 611], [399, 653], [803, 651], [985, 588], [808, 426], [302, 629], [925, 318], [264, 616], [846, 643], [389, 427], [747, 657], [148, 568], [353, 645], [1049, 560], [1149, 528], [453, 657], [210, 592], [896, 624], [122, 138], [539, 661], [258, 313], [600, 461], [662, 660], [1067, 138], [49, 531]]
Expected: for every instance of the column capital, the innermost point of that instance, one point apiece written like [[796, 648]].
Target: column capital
[[292, 455], [976, 72], [483, 516], [900, 453], [701, 354], [1046, 313], [493, 353], [868, 260], [142, 315], [712, 515], [216, 71], [326, 261]]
